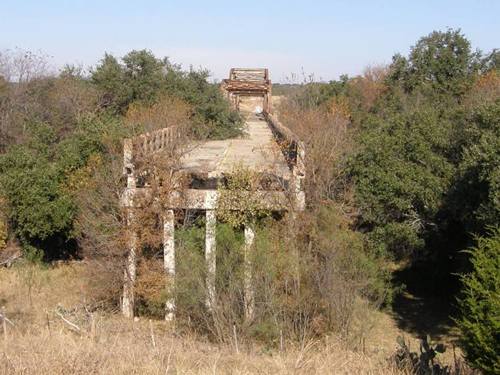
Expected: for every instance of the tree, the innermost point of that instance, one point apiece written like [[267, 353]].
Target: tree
[[401, 174], [144, 79], [212, 114], [440, 63], [39, 210], [479, 321], [144, 75], [34, 177], [110, 78], [476, 192]]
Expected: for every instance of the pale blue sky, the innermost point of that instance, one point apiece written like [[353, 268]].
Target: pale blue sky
[[326, 38]]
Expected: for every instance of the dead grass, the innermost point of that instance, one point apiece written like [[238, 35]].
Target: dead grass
[[123, 347], [130, 351], [42, 343]]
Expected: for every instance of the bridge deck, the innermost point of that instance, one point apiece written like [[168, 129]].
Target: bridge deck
[[256, 150]]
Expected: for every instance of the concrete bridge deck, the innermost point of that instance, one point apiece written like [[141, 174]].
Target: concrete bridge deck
[[256, 150]]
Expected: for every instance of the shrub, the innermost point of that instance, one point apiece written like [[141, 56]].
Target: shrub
[[308, 276], [479, 322]]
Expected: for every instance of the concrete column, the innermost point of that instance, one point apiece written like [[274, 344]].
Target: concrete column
[[169, 260], [210, 256], [128, 165], [249, 291], [130, 274]]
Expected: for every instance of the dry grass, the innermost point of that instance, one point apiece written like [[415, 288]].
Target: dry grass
[[122, 347], [42, 343]]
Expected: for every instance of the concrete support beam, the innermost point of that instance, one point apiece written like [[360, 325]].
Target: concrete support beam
[[128, 165], [130, 274], [249, 291], [210, 256], [169, 260]]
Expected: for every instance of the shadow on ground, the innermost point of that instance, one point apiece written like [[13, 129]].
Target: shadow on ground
[[423, 309]]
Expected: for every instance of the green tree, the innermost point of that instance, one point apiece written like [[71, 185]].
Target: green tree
[[34, 178], [479, 321], [440, 63], [143, 78], [39, 210], [212, 115], [144, 75], [110, 78], [475, 196], [401, 174], [139, 78]]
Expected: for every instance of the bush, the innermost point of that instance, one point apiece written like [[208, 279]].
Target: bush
[[308, 276], [479, 322]]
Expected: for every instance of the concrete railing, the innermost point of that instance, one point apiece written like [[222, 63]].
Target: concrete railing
[[145, 144], [294, 151], [293, 148]]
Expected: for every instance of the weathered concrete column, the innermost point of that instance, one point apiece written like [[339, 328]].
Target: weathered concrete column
[[130, 273], [169, 260], [249, 291], [298, 175], [210, 256], [128, 165]]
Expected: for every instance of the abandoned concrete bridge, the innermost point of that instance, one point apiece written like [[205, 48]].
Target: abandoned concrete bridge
[[267, 148]]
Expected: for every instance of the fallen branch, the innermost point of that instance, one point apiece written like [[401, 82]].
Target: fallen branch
[[4, 318], [72, 325], [8, 262]]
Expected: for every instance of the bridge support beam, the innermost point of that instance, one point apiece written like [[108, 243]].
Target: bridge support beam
[[130, 273], [249, 291], [169, 261], [210, 257]]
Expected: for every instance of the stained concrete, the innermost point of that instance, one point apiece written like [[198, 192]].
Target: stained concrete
[[256, 150]]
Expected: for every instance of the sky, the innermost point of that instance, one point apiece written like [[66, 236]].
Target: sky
[[291, 38]]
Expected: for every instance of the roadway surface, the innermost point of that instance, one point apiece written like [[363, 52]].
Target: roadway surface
[[257, 150]]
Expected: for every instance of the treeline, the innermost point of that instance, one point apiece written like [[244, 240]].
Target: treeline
[[425, 173], [53, 125]]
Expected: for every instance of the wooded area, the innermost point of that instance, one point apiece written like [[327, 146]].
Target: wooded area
[[402, 195]]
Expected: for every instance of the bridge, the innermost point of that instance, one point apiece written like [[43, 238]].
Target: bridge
[[267, 148]]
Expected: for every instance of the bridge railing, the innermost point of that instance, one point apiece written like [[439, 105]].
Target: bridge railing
[[246, 74], [145, 144], [293, 149]]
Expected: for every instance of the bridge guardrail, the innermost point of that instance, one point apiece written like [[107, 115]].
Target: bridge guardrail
[[294, 147], [143, 144]]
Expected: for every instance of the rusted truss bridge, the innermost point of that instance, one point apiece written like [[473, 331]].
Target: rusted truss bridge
[[268, 148]]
